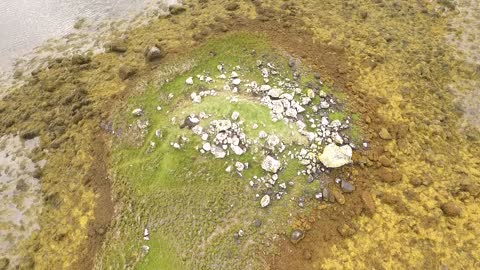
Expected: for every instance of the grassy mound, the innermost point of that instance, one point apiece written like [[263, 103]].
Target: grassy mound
[[199, 214]]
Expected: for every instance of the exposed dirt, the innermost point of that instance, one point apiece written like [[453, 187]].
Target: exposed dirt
[[98, 179]]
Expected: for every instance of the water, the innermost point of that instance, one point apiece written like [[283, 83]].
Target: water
[[26, 24]]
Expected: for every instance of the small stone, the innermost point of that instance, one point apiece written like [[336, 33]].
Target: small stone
[[324, 104], [153, 53], [265, 88], [176, 146], [235, 115], [189, 81], [234, 75], [126, 71], [369, 204], [176, 9], [258, 223], [239, 166], [137, 112], [223, 125], [207, 147], [271, 164], [347, 186], [451, 209], [296, 236], [236, 81], [237, 150], [158, 133], [218, 152], [345, 230], [265, 201], [231, 6]]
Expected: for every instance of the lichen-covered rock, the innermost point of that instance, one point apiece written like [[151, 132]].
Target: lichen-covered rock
[[334, 156]]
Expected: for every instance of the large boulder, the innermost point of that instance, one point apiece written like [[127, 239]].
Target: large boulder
[[334, 156], [270, 164]]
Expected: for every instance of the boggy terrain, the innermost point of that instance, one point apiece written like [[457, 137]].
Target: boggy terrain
[[387, 64]]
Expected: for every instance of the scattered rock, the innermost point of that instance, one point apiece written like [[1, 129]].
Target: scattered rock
[[137, 112], [218, 152], [80, 59], [176, 9], [296, 236], [451, 209], [153, 53], [265, 201], [231, 6], [338, 196], [235, 115], [190, 122], [207, 147], [334, 156], [347, 186], [189, 81], [384, 134], [271, 164], [116, 46], [368, 203], [345, 230], [126, 71]]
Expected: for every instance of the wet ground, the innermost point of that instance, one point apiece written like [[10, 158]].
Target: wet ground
[[398, 66]]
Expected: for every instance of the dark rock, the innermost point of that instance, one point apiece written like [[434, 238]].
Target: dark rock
[[296, 236], [345, 230], [189, 122], [385, 161], [176, 9], [368, 203], [451, 209], [116, 46], [126, 71], [29, 134], [231, 6], [291, 62], [16, 75], [80, 59], [317, 76], [153, 53], [258, 223], [347, 186], [21, 185], [4, 263]]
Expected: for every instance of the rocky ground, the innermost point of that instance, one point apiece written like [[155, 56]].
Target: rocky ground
[[202, 178]]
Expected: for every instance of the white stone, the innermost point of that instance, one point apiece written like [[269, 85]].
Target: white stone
[[223, 125], [189, 81], [265, 201], [235, 115], [137, 112], [290, 112], [218, 152], [262, 134], [324, 105], [237, 150], [197, 130], [274, 92], [207, 147], [334, 156], [273, 140], [265, 88], [271, 164], [158, 133], [236, 81], [159, 108], [234, 75], [240, 166]]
